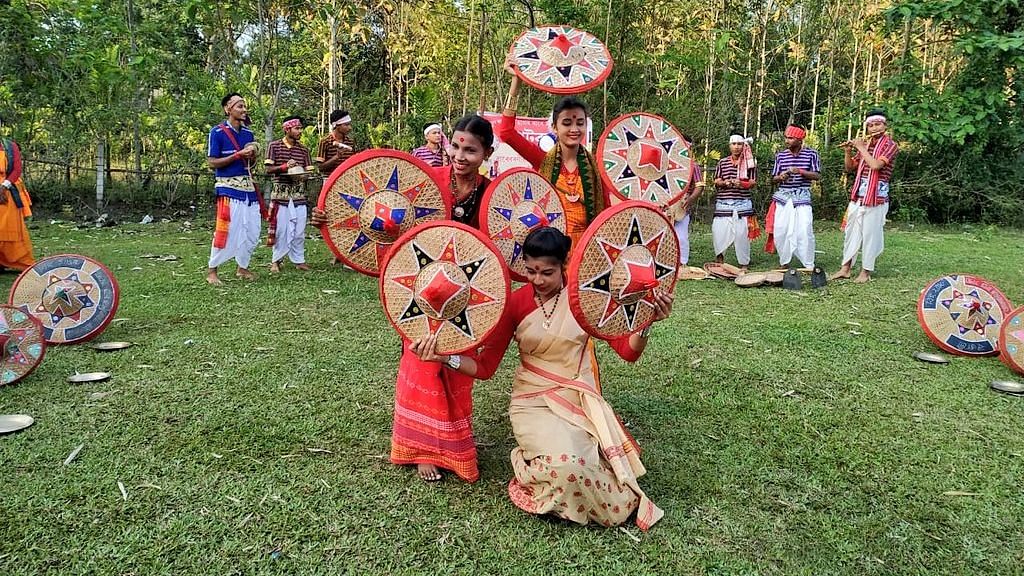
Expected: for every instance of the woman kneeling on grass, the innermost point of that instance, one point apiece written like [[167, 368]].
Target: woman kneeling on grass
[[433, 423], [574, 458]]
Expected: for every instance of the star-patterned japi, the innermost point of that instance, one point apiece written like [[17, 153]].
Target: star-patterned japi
[[632, 269], [66, 297], [970, 311], [518, 214], [382, 211], [447, 294], [561, 58], [646, 159]]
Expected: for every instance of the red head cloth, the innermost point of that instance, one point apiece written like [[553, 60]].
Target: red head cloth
[[288, 124], [795, 132]]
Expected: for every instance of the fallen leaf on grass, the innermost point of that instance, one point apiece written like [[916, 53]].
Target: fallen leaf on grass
[[632, 536], [124, 493], [713, 437], [74, 454], [145, 366], [855, 333], [233, 499], [325, 291], [696, 362], [319, 450], [852, 323], [217, 456], [788, 393], [136, 269], [101, 395], [148, 485], [960, 493]]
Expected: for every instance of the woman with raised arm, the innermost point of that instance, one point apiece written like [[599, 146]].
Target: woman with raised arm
[[574, 458], [568, 166]]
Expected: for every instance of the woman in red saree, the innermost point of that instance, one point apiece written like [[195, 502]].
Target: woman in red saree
[[574, 458], [433, 422]]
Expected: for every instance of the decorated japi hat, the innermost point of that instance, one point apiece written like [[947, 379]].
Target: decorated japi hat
[[372, 199], [963, 314], [645, 158], [626, 253], [513, 205], [448, 279], [22, 345], [1011, 340], [560, 59], [74, 297]]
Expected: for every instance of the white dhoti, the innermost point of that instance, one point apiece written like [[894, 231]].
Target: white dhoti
[[291, 233], [864, 233], [243, 235], [731, 231], [794, 233], [682, 228]]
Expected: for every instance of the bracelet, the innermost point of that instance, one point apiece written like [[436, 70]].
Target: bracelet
[[646, 332], [511, 102]]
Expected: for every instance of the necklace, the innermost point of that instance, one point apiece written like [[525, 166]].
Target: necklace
[[547, 315], [571, 180], [465, 206]]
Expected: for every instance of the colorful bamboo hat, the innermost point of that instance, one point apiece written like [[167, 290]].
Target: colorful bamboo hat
[[514, 204], [444, 278], [372, 199], [560, 59], [963, 314], [22, 345], [1011, 340], [645, 158], [628, 251], [74, 297]]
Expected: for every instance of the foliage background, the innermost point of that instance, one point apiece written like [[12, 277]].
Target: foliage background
[[146, 77]]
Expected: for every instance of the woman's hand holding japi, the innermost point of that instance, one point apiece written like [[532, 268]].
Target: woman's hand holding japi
[[426, 349], [662, 304]]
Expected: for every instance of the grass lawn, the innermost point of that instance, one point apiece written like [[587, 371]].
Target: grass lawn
[[784, 432]]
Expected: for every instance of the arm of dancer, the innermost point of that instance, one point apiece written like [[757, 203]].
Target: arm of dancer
[[507, 126]]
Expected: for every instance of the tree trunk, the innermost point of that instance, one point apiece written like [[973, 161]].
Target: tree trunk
[[101, 167]]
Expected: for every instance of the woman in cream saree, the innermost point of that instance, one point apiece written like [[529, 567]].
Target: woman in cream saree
[[574, 458]]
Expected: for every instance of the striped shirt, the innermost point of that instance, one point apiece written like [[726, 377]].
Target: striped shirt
[[729, 199], [332, 152], [726, 170], [888, 154], [285, 187], [806, 159], [433, 158]]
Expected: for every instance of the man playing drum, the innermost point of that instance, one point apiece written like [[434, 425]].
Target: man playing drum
[[286, 162], [231, 149]]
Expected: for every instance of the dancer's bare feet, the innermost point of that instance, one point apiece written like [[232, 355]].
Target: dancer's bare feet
[[275, 267], [303, 267], [428, 472], [863, 277], [245, 274], [744, 269], [720, 258], [844, 272], [212, 279]]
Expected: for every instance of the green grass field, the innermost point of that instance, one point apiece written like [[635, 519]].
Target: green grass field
[[784, 432]]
